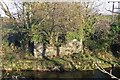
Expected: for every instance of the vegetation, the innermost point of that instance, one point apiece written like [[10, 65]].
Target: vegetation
[[54, 25]]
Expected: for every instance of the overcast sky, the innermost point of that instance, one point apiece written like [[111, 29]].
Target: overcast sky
[[104, 5]]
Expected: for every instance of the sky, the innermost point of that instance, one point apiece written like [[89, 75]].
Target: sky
[[104, 5], [107, 6]]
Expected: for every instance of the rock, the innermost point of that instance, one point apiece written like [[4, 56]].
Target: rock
[[37, 53], [74, 46], [74, 40], [50, 51], [37, 50], [56, 68]]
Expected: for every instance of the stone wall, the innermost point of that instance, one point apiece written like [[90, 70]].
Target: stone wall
[[71, 47]]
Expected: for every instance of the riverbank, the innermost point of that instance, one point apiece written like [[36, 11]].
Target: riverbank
[[74, 62], [31, 74]]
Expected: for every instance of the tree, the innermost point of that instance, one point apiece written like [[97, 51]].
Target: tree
[[59, 18], [20, 23]]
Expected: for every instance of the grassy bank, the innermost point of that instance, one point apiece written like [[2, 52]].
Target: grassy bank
[[74, 62]]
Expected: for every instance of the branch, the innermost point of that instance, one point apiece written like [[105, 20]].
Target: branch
[[7, 11], [104, 71], [17, 10], [113, 12], [17, 5]]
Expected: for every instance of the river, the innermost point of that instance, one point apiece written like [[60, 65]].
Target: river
[[35, 75]]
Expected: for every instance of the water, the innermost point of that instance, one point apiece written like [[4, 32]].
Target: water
[[35, 75]]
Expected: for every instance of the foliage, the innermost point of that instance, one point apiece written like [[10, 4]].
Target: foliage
[[74, 35], [114, 36], [55, 23]]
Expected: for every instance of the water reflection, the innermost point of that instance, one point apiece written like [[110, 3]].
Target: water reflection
[[25, 75]]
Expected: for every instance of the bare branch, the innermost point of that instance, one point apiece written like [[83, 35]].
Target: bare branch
[[6, 10], [112, 11], [17, 5], [104, 71], [17, 10]]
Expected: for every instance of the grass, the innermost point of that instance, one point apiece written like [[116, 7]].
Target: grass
[[76, 61]]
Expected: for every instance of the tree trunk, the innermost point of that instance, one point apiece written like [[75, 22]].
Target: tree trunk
[[44, 50], [58, 50], [31, 47]]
